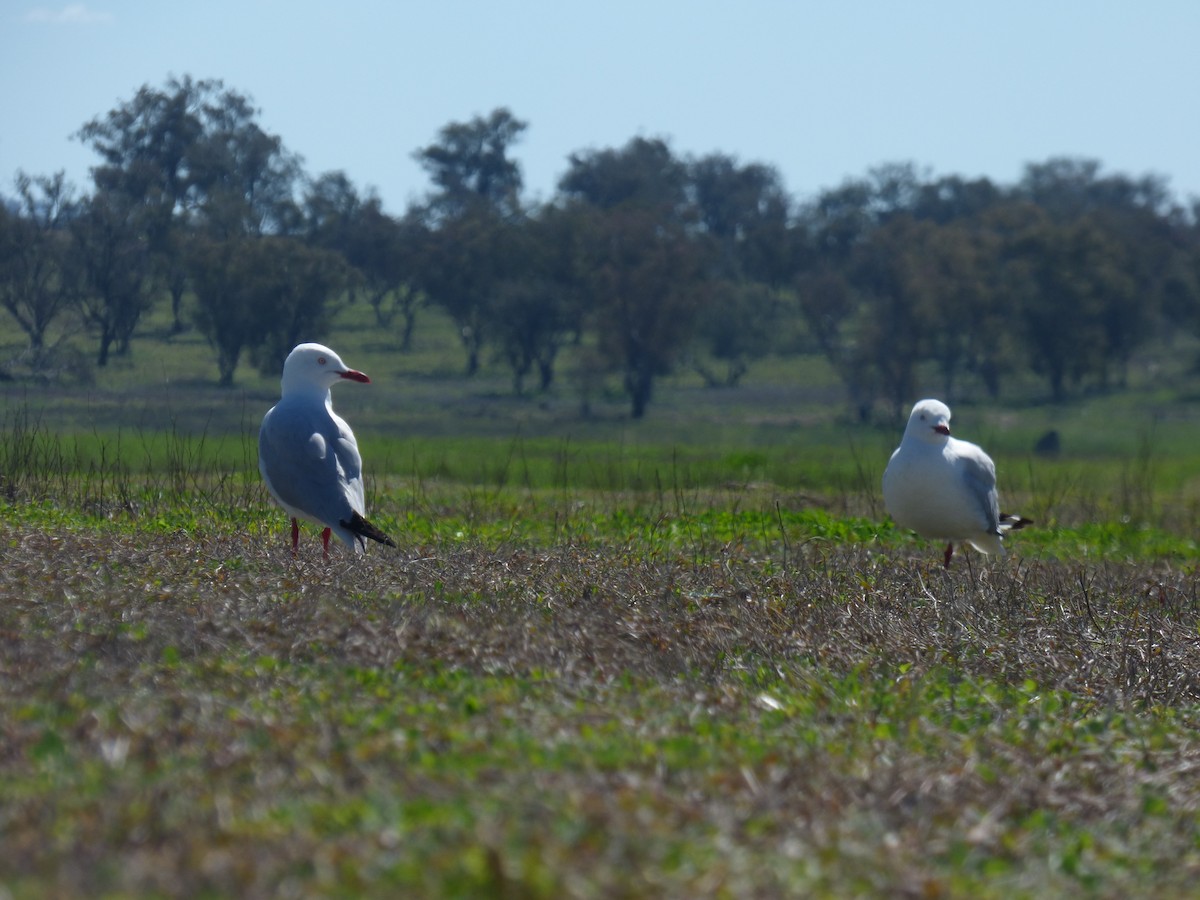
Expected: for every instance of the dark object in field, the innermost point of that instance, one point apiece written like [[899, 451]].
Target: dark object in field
[[1049, 444]]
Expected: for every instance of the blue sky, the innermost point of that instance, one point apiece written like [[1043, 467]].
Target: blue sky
[[821, 90]]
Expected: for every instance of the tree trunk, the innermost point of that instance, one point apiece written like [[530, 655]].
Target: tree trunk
[[227, 361], [990, 374], [410, 321], [106, 340], [470, 342], [545, 373], [639, 384], [177, 325], [1056, 385]]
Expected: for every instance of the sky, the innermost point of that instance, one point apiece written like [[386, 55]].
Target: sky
[[823, 91]]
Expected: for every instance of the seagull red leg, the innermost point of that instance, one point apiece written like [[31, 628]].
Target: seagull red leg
[[949, 553], [295, 536], [325, 540]]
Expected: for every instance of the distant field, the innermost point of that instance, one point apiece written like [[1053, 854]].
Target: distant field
[[1129, 454]]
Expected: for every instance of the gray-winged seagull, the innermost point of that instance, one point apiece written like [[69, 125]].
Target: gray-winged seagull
[[945, 489], [307, 453]]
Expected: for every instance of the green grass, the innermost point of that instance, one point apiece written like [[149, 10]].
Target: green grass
[[539, 488], [567, 693], [456, 784]]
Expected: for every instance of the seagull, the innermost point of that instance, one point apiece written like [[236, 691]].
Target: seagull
[[943, 488], [307, 453]]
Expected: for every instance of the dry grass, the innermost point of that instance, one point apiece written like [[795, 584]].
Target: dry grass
[[197, 714]]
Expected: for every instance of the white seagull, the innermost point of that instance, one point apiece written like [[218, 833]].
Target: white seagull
[[307, 453], [945, 489]]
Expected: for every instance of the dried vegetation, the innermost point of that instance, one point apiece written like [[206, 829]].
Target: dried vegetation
[[192, 712]]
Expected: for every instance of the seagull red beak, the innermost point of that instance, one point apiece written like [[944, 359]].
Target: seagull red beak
[[355, 375], [940, 429]]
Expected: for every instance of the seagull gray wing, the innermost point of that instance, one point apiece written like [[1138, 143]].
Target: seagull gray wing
[[309, 464], [350, 464], [979, 477]]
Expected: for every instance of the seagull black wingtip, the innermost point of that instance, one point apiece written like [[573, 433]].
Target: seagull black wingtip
[[1015, 522], [361, 528]]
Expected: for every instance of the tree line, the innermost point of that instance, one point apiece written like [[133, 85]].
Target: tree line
[[644, 260]]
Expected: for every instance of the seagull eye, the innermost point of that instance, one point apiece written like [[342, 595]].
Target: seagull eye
[[320, 360]]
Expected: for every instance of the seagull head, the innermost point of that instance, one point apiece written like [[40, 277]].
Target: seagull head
[[929, 422], [316, 367]]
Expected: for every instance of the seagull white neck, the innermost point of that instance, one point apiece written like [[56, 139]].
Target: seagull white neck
[[306, 390]]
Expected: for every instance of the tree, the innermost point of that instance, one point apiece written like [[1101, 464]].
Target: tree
[[36, 277], [331, 210], [462, 263], [852, 284], [536, 308], [190, 155], [891, 275], [379, 248], [742, 214], [301, 289], [1181, 273], [647, 291], [195, 150], [470, 165], [228, 312], [644, 270], [528, 328], [117, 268], [385, 251], [171, 266], [835, 318], [263, 294], [644, 172], [1069, 278], [468, 223], [953, 199], [148, 150], [244, 177], [1066, 188], [736, 326], [943, 307]]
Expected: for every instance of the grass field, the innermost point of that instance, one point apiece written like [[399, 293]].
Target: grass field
[[686, 657]]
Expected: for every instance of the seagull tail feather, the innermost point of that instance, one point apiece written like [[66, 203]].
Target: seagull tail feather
[[361, 528], [1009, 522]]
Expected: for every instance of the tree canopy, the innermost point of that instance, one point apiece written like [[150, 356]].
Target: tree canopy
[[643, 260]]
